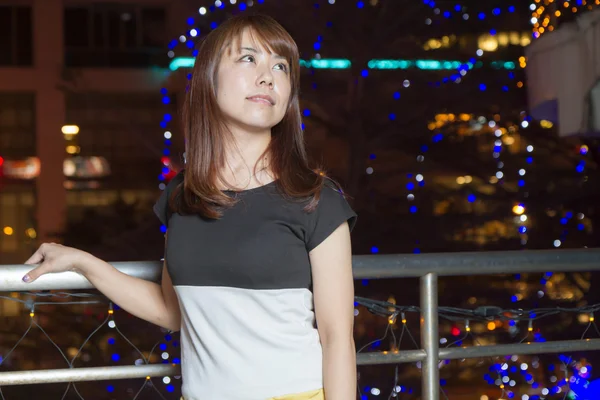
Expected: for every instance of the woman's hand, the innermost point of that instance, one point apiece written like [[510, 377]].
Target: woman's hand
[[52, 258]]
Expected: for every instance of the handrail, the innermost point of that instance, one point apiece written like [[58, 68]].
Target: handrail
[[385, 266], [87, 374]]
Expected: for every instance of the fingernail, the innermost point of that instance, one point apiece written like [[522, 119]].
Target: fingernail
[[26, 278]]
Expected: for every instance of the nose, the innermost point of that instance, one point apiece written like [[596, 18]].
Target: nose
[[265, 78]]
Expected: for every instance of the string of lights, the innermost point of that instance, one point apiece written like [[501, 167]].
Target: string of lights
[[547, 16], [521, 208], [482, 15], [462, 320], [483, 313], [462, 71], [569, 215], [32, 306], [582, 223], [462, 11], [501, 372], [491, 42]]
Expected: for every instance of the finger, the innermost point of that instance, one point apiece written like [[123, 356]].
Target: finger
[[36, 257], [35, 273]]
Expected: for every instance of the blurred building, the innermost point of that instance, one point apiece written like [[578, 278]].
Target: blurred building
[[80, 108]]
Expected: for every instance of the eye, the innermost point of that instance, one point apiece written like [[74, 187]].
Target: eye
[[282, 66], [247, 58]]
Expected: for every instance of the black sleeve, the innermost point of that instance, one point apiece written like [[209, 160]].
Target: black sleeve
[[332, 210], [161, 207]]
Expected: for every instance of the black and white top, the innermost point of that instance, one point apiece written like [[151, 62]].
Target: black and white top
[[245, 291]]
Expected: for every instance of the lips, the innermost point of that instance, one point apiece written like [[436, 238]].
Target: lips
[[262, 98]]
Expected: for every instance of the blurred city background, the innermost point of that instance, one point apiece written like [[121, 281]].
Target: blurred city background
[[454, 126]]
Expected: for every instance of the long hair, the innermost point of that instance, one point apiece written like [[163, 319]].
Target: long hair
[[206, 134]]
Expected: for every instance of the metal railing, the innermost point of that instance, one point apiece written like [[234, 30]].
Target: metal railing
[[427, 267]]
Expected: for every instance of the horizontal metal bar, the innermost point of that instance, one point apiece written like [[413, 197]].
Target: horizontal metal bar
[[559, 346], [365, 267], [390, 357], [372, 358], [456, 353], [11, 277], [87, 374], [475, 263]]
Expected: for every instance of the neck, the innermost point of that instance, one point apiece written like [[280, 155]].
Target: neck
[[243, 155]]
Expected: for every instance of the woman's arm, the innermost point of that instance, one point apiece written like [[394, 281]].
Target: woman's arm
[[150, 301], [333, 290]]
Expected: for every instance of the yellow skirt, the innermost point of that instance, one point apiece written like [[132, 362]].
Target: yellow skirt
[[311, 395]]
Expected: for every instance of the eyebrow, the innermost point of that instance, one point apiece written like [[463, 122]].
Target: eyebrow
[[253, 50]]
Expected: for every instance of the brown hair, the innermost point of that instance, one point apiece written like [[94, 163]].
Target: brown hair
[[205, 131]]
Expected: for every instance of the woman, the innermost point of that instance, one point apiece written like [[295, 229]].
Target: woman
[[258, 244]]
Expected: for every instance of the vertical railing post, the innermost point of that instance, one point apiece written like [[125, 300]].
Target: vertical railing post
[[430, 379]]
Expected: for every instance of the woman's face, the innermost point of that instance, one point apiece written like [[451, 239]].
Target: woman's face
[[253, 86]]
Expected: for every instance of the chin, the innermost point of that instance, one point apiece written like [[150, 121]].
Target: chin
[[254, 122], [254, 126], [261, 123]]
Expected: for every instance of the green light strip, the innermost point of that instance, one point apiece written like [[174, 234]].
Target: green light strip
[[341, 63]]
